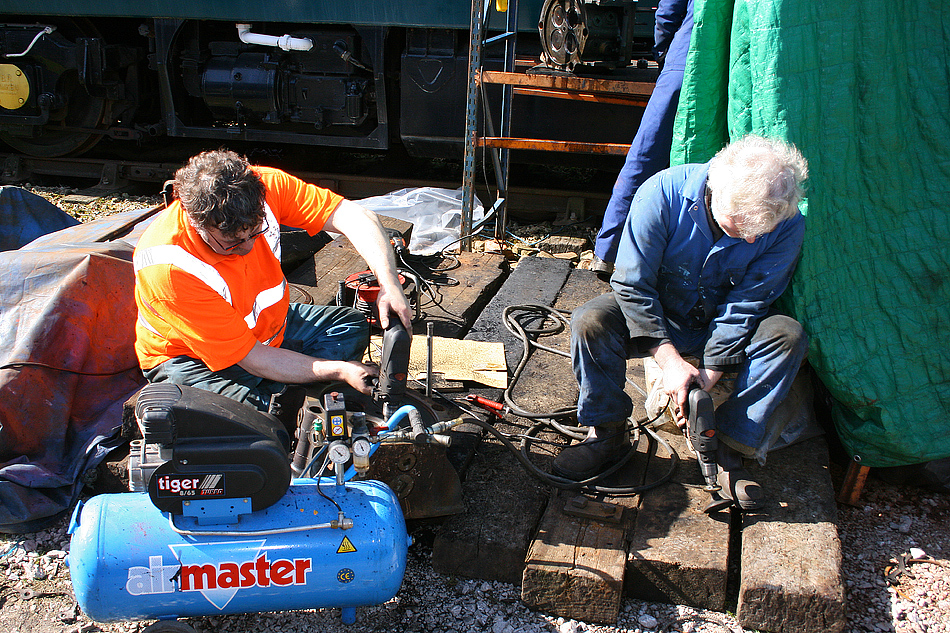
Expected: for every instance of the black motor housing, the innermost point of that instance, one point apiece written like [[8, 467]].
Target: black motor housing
[[220, 448]]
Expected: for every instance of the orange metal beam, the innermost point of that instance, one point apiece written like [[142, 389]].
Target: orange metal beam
[[634, 100], [642, 89], [613, 149]]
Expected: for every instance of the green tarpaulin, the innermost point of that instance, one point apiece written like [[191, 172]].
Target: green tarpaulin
[[862, 89]]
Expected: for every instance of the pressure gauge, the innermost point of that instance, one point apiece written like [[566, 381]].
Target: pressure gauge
[[361, 447], [339, 453]]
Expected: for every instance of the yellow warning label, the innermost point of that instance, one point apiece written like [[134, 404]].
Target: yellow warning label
[[346, 546]]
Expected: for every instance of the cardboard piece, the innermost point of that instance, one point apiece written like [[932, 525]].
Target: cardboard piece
[[454, 359]]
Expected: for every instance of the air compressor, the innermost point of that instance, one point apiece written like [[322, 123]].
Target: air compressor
[[215, 524]]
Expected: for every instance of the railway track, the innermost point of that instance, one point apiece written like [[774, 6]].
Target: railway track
[[111, 175]]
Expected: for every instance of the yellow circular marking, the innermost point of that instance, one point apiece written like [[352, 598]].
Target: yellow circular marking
[[14, 87]]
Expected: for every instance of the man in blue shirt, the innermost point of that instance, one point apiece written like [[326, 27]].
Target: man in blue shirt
[[705, 251]]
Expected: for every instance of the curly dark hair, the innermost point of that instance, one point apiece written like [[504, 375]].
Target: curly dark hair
[[218, 189]]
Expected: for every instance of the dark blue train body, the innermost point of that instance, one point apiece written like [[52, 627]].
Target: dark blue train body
[[356, 73]]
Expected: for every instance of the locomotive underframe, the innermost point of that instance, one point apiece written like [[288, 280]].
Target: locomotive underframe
[[359, 86]]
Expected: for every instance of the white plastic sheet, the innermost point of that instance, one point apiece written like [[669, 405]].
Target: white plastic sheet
[[435, 214]]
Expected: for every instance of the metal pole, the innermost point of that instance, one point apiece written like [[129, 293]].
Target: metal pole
[[511, 25], [471, 121], [429, 329]]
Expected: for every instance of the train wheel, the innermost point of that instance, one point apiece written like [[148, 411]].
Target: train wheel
[[73, 128]]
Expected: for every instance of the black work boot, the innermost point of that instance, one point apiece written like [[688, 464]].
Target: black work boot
[[737, 484], [605, 444]]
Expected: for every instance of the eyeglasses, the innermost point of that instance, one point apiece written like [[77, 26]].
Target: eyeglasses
[[252, 236]]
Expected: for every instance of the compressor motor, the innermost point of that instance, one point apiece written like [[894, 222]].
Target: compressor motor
[[199, 449], [215, 524]]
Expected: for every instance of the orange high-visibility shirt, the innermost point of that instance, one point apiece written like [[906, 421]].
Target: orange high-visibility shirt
[[194, 302]]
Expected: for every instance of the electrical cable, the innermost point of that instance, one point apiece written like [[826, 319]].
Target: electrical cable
[[514, 325], [522, 332], [308, 469], [438, 259], [523, 455], [326, 461], [554, 321], [474, 233], [428, 284], [68, 371]]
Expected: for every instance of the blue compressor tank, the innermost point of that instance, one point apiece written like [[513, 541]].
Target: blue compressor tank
[[129, 561]]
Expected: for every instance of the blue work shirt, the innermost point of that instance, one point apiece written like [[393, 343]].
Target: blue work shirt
[[675, 282]]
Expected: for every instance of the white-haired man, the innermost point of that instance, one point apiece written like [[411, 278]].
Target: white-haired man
[[706, 250]]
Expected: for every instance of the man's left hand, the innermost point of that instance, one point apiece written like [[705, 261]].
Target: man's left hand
[[708, 378]]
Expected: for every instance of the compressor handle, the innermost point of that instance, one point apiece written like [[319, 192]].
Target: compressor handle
[[345, 524]]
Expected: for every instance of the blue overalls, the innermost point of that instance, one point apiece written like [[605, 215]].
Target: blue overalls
[[710, 299], [650, 150]]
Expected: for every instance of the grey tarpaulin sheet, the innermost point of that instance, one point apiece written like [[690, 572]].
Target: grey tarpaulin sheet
[[67, 365], [863, 89]]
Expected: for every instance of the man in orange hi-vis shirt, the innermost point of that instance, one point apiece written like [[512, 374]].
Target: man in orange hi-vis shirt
[[213, 304]]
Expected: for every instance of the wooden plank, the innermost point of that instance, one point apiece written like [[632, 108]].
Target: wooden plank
[[502, 505], [575, 566], [791, 554], [333, 262], [452, 309], [678, 554], [534, 280], [503, 502]]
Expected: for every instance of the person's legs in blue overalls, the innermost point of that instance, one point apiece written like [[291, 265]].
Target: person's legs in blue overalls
[[600, 347], [649, 152]]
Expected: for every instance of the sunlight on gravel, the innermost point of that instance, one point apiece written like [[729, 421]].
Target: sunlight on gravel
[[85, 208]]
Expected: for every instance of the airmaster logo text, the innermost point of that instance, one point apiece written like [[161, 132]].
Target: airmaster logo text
[[217, 571]]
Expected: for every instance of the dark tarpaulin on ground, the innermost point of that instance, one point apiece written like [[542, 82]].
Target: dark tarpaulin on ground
[[25, 216], [67, 365]]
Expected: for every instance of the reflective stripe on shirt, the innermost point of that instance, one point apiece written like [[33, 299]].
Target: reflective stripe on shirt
[[148, 326], [180, 258], [273, 231], [264, 300]]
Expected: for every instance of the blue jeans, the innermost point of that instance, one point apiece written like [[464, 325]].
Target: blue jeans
[[601, 345], [328, 332]]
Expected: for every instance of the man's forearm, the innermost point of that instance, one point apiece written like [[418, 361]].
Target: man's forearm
[[364, 230], [283, 365], [664, 354]]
